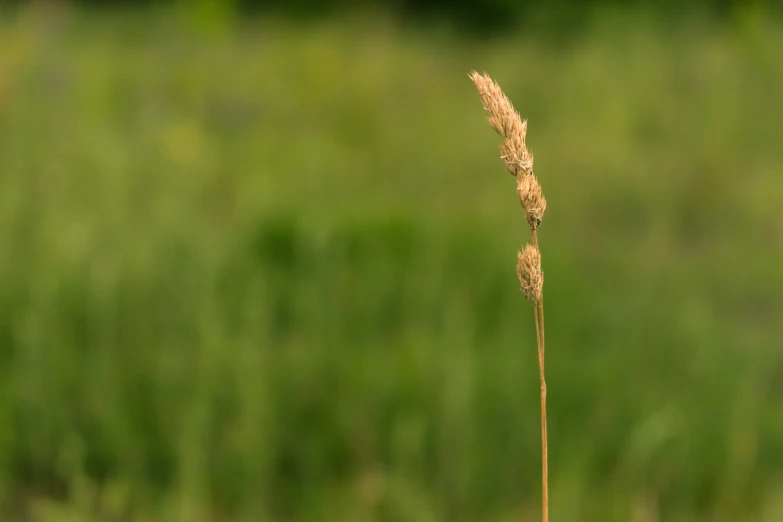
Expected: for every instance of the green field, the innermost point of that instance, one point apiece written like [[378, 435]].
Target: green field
[[267, 273]]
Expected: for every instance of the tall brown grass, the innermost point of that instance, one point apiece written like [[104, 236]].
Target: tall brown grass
[[518, 160]]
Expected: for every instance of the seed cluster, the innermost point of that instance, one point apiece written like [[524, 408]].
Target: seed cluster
[[518, 160]]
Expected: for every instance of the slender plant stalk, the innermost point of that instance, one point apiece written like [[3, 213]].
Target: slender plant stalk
[[544, 445], [519, 162], [538, 312]]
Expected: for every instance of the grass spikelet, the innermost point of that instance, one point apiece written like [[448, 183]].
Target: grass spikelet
[[505, 120], [532, 199], [518, 160], [531, 278]]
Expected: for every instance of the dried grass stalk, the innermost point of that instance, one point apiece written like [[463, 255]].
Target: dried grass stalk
[[518, 160]]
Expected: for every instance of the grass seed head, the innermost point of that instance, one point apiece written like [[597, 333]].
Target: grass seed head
[[500, 112], [532, 199], [531, 277], [516, 158], [505, 120]]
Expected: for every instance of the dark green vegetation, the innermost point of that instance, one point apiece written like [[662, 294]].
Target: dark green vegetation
[[485, 16], [270, 276]]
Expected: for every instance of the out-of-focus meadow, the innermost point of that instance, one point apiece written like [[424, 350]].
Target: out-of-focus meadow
[[264, 271]]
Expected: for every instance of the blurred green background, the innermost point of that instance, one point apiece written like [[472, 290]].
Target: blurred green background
[[257, 262]]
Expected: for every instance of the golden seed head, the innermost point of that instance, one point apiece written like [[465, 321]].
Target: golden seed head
[[505, 121], [500, 112], [531, 277], [516, 158], [532, 199]]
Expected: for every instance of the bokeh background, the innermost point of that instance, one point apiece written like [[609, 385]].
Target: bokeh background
[[257, 262]]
